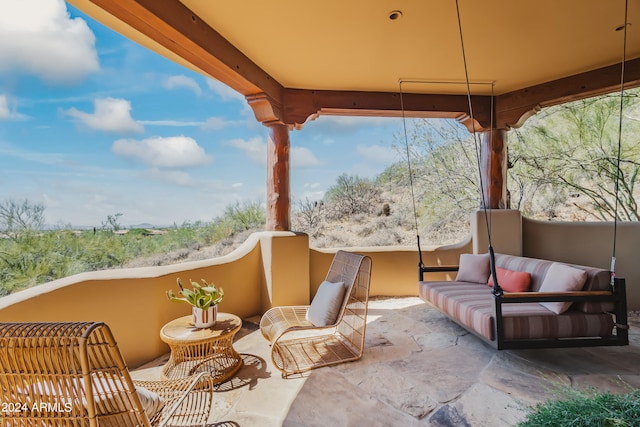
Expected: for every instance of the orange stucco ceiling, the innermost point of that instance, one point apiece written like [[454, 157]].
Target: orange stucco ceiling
[[349, 45], [343, 45]]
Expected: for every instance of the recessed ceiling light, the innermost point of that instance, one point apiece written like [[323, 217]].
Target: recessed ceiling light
[[395, 15]]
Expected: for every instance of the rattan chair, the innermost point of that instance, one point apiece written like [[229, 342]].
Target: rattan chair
[[72, 374], [298, 346]]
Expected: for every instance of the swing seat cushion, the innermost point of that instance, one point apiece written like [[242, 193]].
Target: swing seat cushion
[[472, 304]]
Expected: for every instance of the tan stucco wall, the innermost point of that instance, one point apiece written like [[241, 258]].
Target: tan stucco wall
[[133, 302], [394, 270], [285, 263], [505, 226], [279, 268], [588, 243], [269, 269]]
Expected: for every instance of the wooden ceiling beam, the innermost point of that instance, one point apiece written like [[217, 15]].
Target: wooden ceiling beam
[[513, 108], [300, 105]]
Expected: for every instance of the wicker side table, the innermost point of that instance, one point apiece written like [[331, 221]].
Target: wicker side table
[[195, 350]]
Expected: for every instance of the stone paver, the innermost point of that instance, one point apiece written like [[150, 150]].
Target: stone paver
[[418, 369]]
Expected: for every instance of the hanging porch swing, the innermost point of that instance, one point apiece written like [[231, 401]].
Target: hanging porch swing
[[567, 305]]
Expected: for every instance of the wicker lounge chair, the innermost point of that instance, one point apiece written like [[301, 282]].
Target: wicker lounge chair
[[72, 374], [297, 345]]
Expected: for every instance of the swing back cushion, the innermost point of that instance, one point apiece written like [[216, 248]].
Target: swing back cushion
[[473, 268], [562, 278]]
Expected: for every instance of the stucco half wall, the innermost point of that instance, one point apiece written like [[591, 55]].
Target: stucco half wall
[[588, 243], [279, 268], [133, 301], [269, 269], [584, 243]]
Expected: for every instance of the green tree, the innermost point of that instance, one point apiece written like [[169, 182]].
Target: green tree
[[445, 177], [19, 217], [244, 216], [569, 152], [112, 224]]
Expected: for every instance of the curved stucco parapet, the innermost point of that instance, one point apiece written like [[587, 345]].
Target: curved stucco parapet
[[394, 270], [133, 301], [131, 273]]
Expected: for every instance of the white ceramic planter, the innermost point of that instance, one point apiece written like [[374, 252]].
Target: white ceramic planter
[[204, 318]]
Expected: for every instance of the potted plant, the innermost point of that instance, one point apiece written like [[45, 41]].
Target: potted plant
[[204, 300]]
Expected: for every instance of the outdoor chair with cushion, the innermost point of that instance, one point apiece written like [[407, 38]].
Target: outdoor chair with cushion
[[73, 374], [329, 331]]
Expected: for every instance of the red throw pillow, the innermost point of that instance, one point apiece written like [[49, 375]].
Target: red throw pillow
[[512, 281]]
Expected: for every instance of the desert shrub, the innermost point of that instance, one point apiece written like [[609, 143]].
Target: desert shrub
[[352, 195], [309, 217], [244, 217], [17, 217], [587, 409], [29, 257]]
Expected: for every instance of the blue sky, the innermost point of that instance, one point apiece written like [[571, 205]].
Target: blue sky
[[91, 124]]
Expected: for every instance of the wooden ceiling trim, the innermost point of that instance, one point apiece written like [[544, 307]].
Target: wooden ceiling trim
[[300, 105], [266, 109], [513, 108]]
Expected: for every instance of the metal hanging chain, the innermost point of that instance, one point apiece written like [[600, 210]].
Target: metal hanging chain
[[413, 197], [617, 183], [406, 143], [497, 291]]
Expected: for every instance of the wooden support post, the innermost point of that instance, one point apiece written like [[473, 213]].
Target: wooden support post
[[494, 169], [278, 203]]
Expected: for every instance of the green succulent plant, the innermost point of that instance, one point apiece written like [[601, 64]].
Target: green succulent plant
[[201, 296]]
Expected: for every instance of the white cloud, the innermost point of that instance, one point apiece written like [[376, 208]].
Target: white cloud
[[311, 195], [224, 91], [170, 123], [182, 81], [171, 176], [4, 107], [215, 123], [212, 123], [38, 37], [44, 158], [7, 112], [376, 154], [305, 193], [339, 126], [163, 152], [302, 157], [254, 148], [110, 115]]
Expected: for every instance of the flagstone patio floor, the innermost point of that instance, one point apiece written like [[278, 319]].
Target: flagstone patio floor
[[418, 369]]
